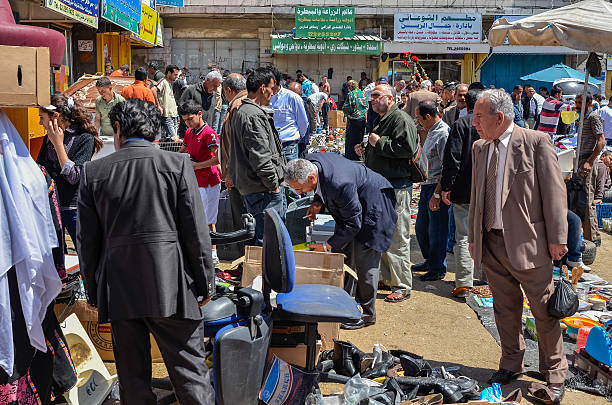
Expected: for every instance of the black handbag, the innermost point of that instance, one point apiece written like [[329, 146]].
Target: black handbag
[[564, 301]]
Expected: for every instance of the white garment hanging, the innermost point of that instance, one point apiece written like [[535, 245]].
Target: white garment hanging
[[32, 238]]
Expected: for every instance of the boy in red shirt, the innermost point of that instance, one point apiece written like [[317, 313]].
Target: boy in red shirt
[[201, 143]]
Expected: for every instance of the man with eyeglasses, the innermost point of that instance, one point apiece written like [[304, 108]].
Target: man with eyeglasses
[[389, 151]]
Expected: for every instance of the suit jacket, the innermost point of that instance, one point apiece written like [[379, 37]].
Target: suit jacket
[[450, 115], [457, 161], [415, 98], [143, 243], [361, 201], [534, 204]]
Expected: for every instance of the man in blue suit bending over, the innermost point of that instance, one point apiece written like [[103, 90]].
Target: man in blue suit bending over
[[362, 203]]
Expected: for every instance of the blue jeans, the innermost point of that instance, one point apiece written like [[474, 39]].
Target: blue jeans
[[256, 204], [450, 244], [574, 243], [170, 125], [221, 117], [291, 153], [69, 223], [432, 231]]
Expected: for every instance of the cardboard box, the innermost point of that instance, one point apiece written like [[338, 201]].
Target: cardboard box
[[26, 76], [293, 355], [310, 268], [100, 334], [337, 119]]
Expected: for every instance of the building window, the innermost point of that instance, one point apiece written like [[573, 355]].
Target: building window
[[437, 67], [200, 55]]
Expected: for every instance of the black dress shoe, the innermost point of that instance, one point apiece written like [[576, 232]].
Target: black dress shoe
[[420, 267], [431, 276], [356, 325], [502, 376]]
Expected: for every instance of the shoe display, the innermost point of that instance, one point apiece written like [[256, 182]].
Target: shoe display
[[571, 265], [503, 376], [461, 292], [420, 267], [431, 276]]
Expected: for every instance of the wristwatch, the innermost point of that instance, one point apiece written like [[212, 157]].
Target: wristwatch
[[436, 195]]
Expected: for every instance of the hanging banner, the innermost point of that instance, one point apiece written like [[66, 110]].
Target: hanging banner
[[432, 27], [325, 22], [170, 3], [124, 13], [83, 11], [335, 46], [160, 32], [148, 24]]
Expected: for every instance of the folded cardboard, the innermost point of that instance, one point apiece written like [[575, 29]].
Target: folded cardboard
[[310, 268], [293, 355], [26, 76], [337, 119]]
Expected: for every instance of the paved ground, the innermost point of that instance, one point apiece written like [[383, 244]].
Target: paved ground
[[444, 330]]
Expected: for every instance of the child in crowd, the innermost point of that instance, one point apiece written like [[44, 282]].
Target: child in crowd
[[201, 143]]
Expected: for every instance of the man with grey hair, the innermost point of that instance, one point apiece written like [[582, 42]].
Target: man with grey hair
[[414, 98], [399, 89], [426, 85], [457, 109], [517, 227], [234, 89], [205, 94], [389, 152], [362, 203]]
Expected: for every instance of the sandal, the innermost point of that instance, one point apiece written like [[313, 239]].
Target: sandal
[[396, 297]]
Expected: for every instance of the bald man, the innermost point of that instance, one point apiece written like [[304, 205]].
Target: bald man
[[389, 151]]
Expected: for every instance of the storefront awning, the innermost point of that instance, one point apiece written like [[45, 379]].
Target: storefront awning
[[536, 50], [357, 45], [402, 47]]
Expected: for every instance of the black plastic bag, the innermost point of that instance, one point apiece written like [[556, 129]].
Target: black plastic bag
[[564, 301]]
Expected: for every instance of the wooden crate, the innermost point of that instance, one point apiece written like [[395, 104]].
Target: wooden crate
[[594, 369]]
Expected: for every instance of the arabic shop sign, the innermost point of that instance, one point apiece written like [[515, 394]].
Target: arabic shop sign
[[325, 22], [83, 11], [431, 27], [148, 24], [124, 13], [331, 46], [170, 3]]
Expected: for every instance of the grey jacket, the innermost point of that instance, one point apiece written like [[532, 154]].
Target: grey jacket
[[142, 240], [257, 161], [198, 93]]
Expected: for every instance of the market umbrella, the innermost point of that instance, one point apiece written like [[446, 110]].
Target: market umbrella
[[556, 72], [583, 26]]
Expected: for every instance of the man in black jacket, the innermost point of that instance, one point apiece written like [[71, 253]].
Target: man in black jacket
[[257, 161], [455, 185], [145, 257]]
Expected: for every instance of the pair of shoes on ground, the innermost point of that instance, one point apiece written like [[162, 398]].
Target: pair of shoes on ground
[[429, 275], [362, 323]]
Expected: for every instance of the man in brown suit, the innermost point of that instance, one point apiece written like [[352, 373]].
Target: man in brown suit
[[517, 226], [453, 112], [234, 88], [415, 98]]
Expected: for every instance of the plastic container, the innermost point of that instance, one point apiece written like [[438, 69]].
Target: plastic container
[[604, 210], [574, 323], [583, 334]]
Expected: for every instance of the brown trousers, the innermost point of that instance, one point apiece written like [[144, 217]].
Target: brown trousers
[[506, 282], [590, 227]]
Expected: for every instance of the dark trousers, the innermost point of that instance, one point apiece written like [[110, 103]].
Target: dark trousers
[[366, 263], [237, 206], [325, 113], [506, 282], [256, 203], [354, 135], [432, 231], [181, 343], [69, 223], [574, 243]]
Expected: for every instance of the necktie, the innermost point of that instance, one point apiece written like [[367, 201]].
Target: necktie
[[490, 190]]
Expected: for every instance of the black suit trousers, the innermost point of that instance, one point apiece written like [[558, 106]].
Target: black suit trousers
[[181, 343]]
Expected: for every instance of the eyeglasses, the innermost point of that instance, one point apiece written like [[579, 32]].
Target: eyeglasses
[[377, 95]]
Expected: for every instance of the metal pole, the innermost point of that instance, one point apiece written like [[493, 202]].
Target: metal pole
[[581, 123]]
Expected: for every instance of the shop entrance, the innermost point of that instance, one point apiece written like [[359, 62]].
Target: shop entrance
[[447, 68]]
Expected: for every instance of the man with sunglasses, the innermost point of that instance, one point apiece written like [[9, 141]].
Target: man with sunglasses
[[389, 151]]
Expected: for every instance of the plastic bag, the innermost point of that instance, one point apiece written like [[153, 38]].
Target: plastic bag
[[492, 393], [357, 390], [564, 301]]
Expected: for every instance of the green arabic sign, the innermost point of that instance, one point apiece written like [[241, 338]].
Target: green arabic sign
[[319, 46], [325, 22]]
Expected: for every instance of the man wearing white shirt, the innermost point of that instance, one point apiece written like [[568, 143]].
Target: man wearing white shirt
[[532, 106], [605, 113]]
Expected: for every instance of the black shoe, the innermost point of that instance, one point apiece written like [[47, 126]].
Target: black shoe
[[356, 325], [420, 267], [431, 276], [598, 244], [503, 376]]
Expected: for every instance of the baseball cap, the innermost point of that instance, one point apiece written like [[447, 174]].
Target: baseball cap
[[383, 79]]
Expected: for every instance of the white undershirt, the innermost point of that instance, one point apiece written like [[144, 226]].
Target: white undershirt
[[504, 139]]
